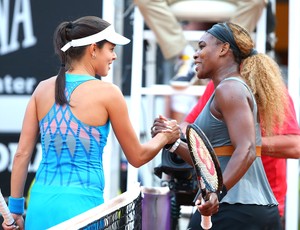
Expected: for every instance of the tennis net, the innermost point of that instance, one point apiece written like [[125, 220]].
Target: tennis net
[[122, 212]]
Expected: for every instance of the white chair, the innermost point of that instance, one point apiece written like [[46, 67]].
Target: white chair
[[216, 11], [204, 10]]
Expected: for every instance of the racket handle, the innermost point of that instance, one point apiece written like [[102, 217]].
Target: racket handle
[[206, 222], [8, 219]]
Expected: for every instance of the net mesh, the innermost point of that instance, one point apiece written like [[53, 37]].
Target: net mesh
[[126, 217], [123, 212]]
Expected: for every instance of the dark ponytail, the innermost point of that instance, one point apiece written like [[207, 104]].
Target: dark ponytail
[[61, 38], [60, 84]]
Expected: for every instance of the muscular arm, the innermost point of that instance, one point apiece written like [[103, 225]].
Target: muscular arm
[[281, 146], [236, 112], [234, 109]]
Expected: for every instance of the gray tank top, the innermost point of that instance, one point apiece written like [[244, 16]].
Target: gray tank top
[[253, 187]]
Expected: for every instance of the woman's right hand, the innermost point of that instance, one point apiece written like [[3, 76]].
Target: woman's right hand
[[175, 131], [162, 124]]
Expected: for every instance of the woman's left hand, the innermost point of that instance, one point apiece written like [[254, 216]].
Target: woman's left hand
[[19, 223]]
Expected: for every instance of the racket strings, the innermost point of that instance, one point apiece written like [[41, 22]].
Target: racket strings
[[203, 160]]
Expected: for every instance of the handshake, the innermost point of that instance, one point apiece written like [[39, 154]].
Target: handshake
[[169, 127]]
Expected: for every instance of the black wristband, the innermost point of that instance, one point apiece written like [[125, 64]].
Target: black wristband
[[222, 193]]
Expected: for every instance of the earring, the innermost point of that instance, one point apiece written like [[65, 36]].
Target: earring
[[93, 55]]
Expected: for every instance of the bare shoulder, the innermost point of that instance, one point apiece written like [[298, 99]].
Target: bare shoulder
[[231, 89], [107, 88], [45, 85], [230, 95]]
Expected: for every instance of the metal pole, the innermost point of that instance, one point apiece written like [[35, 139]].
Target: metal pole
[[136, 85], [112, 149], [292, 201]]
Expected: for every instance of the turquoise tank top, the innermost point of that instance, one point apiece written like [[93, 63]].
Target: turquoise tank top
[[72, 150], [70, 177]]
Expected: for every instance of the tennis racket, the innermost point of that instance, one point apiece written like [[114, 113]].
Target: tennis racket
[[8, 219], [206, 165]]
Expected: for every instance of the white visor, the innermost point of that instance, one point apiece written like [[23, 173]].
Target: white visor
[[108, 34]]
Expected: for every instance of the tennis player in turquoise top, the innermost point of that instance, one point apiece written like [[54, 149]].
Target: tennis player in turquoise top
[[73, 112], [72, 159]]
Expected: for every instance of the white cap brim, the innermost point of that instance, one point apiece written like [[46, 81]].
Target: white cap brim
[[117, 39], [108, 34]]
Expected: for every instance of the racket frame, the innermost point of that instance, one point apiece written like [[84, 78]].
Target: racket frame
[[212, 154], [202, 182]]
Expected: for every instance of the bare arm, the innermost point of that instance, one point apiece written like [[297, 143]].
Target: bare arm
[[136, 153], [235, 110], [27, 142], [281, 146], [183, 152]]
